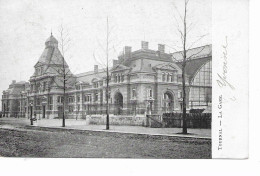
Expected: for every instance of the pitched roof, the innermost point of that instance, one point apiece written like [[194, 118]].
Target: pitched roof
[[51, 55], [87, 77]]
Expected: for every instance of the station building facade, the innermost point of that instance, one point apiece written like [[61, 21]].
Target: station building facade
[[140, 82]]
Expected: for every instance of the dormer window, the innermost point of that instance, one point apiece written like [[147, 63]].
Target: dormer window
[[95, 84], [168, 77], [122, 78], [163, 77], [41, 70], [172, 77], [119, 78]]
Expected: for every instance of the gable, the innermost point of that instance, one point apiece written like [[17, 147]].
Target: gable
[[168, 66], [120, 67]]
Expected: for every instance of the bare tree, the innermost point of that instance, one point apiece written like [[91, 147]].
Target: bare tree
[[183, 28], [106, 63], [63, 78]]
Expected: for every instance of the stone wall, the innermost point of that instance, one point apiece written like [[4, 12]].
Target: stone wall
[[116, 120]]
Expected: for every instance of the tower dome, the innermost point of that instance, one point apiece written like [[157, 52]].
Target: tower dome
[[51, 42]]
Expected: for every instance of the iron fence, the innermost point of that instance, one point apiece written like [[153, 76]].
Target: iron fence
[[194, 120]]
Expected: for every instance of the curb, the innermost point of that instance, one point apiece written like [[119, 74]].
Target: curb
[[46, 128]]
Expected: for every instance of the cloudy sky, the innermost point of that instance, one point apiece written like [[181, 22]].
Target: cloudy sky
[[26, 24]]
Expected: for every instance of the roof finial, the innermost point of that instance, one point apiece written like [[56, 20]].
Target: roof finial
[[51, 32]]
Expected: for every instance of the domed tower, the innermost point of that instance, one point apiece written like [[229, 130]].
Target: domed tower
[[51, 62], [51, 42]]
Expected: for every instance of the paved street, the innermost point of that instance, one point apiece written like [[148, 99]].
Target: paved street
[[17, 140]]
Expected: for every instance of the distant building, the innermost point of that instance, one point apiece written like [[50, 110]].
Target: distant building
[[142, 81]]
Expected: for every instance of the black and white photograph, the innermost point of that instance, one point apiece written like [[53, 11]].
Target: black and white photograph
[[140, 79], [133, 75]]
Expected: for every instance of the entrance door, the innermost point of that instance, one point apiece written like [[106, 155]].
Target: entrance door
[[168, 105], [43, 111], [118, 103]]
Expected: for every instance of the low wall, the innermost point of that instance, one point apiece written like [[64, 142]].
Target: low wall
[[116, 120]]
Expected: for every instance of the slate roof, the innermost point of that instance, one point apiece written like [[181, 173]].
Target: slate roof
[[51, 56], [16, 88], [199, 52], [87, 77]]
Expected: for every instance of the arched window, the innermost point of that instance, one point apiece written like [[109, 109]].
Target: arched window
[[149, 93]]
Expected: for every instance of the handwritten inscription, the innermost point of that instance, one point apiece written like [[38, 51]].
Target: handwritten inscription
[[222, 79]]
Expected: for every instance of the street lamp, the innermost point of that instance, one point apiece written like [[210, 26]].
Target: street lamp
[[31, 108]]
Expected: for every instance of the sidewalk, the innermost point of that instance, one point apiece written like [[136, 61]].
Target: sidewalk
[[81, 125]]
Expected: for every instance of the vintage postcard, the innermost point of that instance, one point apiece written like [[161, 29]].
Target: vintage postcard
[[143, 79]]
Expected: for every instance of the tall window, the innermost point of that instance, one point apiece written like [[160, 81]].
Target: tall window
[[50, 100], [150, 93], [60, 99], [134, 93], [71, 108], [115, 77], [163, 77], [168, 77], [89, 98], [172, 77], [119, 78], [96, 96], [44, 86]]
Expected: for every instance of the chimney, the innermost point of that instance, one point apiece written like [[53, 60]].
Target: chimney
[[95, 68], [161, 48], [127, 52], [144, 45], [13, 82], [115, 62]]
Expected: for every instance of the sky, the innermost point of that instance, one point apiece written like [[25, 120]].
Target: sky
[[26, 24]]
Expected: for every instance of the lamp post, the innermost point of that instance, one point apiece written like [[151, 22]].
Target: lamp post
[[31, 108]]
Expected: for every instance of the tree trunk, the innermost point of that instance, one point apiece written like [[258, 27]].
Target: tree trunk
[[184, 125], [63, 117], [107, 111]]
